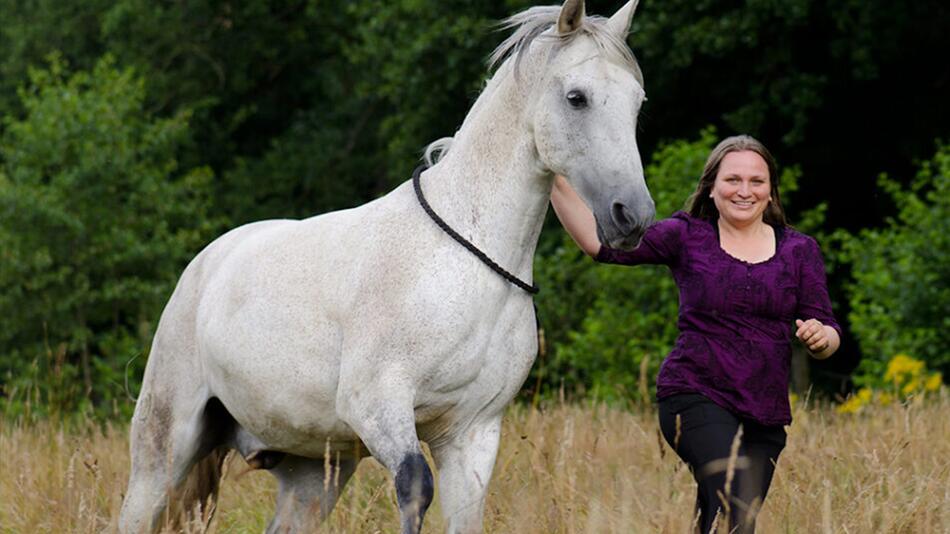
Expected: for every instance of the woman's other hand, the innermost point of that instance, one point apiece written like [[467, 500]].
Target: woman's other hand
[[822, 341]]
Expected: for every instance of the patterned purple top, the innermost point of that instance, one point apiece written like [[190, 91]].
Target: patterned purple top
[[736, 319]]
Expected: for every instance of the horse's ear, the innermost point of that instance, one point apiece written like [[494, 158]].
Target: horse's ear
[[572, 15], [619, 24]]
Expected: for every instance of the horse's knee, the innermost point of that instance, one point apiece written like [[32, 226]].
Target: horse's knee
[[414, 488]]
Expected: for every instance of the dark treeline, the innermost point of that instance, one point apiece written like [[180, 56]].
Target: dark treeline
[[136, 131]]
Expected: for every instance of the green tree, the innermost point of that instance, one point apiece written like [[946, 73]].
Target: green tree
[[422, 64], [900, 293], [813, 80], [98, 219], [32, 30], [276, 111], [301, 106]]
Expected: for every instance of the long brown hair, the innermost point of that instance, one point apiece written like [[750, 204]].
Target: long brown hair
[[700, 205]]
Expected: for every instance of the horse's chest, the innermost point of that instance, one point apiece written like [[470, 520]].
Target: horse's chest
[[486, 367]]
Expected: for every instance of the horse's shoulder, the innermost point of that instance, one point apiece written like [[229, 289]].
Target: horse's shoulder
[[255, 228], [209, 260], [234, 238]]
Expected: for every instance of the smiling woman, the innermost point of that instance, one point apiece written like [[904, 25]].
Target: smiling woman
[[738, 180], [732, 159], [746, 282]]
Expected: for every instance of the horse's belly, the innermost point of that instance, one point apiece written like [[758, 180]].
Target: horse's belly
[[278, 378], [293, 418]]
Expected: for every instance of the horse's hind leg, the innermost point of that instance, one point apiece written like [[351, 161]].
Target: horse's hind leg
[[307, 491], [174, 445], [175, 464]]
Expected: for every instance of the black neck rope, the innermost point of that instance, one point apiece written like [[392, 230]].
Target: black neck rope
[[531, 289]]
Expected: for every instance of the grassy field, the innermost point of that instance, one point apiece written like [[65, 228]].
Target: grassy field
[[563, 469]]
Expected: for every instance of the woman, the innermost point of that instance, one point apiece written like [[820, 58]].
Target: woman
[[746, 282]]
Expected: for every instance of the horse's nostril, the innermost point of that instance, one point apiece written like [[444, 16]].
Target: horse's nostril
[[621, 217]]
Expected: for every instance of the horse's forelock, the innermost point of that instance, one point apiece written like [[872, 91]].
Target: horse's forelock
[[531, 23]]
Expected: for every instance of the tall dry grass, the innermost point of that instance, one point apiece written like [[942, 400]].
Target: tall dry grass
[[564, 469]]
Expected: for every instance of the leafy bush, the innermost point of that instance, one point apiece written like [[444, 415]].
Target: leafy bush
[[900, 294], [97, 222], [905, 378]]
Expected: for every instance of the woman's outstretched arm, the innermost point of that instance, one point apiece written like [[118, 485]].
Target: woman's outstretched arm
[[575, 216]]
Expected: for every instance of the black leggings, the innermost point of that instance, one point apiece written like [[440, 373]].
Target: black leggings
[[703, 439]]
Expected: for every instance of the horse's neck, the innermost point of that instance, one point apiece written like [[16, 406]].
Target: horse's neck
[[490, 187]]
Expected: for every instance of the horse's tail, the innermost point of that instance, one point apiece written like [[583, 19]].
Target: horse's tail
[[192, 505]]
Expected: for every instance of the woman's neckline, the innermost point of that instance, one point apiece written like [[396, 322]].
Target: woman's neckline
[[777, 231]]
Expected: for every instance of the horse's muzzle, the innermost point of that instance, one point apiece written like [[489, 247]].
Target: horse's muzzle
[[629, 224]]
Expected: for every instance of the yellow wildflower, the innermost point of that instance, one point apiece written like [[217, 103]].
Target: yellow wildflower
[[905, 378], [903, 370], [885, 399], [910, 387], [852, 405], [855, 402], [933, 382]]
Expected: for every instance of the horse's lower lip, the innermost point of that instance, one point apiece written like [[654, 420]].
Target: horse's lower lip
[[626, 242]]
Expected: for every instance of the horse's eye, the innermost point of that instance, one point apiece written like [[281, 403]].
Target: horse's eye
[[577, 99]]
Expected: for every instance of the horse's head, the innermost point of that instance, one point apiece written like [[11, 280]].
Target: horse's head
[[586, 91]]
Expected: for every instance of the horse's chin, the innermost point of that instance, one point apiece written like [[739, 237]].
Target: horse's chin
[[618, 241], [627, 243]]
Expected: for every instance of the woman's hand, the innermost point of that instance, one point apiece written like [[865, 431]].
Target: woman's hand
[[822, 341]]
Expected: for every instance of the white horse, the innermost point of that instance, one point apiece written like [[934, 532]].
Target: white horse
[[313, 343]]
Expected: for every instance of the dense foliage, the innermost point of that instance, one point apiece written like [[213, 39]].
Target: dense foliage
[[900, 292], [156, 125], [98, 219]]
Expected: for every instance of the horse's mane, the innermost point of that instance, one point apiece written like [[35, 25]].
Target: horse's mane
[[436, 149], [529, 25]]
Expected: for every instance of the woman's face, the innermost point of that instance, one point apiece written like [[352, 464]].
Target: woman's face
[[742, 188]]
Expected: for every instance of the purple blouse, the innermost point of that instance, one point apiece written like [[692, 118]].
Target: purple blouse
[[736, 319]]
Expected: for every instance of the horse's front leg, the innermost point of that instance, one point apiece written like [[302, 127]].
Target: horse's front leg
[[465, 464], [379, 407]]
